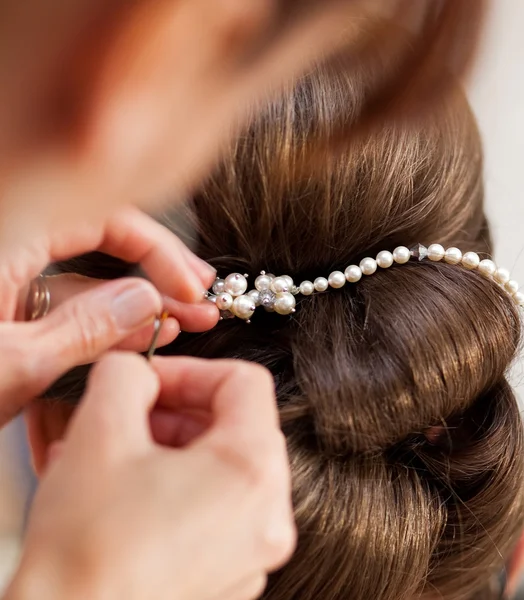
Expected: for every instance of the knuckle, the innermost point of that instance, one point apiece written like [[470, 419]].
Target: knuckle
[[242, 461], [272, 453], [280, 543], [90, 329], [256, 587], [258, 463], [254, 374], [24, 364]]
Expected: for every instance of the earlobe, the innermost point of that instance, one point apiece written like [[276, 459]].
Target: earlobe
[[46, 424]]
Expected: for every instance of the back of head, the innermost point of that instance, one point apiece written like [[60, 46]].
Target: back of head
[[363, 372], [385, 510]]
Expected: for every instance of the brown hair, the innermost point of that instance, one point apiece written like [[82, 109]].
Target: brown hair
[[385, 511]]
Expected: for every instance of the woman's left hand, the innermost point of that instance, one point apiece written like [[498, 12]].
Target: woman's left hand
[[87, 316]]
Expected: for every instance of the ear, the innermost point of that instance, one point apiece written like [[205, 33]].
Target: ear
[[46, 423]]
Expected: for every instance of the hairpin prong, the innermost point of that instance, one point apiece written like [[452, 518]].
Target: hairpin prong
[[159, 322]]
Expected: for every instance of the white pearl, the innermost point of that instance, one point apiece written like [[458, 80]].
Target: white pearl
[[384, 259], [401, 255], [285, 303], [290, 282], [353, 273], [337, 279], [502, 276], [471, 260], [279, 285], [453, 256], [487, 267], [243, 307], [263, 282], [436, 252], [219, 286], [519, 298], [224, 301], [368, 266], [512, 286], [255, 295], [236, 284], [307, 288], [321, 284]]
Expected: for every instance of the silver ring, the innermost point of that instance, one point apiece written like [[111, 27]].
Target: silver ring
[[38, 299]]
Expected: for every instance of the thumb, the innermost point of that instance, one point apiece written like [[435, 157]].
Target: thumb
[[113, 417], [33, 355], [85, 326]]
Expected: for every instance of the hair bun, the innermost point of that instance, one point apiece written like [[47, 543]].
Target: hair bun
[[410, 347]]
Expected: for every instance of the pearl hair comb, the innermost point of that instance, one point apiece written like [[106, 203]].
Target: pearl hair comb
[[277, 293]]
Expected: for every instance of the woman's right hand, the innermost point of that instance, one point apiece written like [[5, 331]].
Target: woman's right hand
[[120, 516]]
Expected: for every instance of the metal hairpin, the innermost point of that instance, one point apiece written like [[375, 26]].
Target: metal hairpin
[[159, 322]]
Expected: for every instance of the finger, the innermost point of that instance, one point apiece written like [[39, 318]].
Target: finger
[[193, 318], [141, 340], [36, 354], [61, 288], [55, 451], [113, 417], [137, 238], [244, 433], [173, 269], [130, 235], [65, 286], [87, 325], [239, 396], [250, 588], [177, 429]]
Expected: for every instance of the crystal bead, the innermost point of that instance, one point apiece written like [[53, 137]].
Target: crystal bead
[[419, 252], [267, 299], [226, 314]]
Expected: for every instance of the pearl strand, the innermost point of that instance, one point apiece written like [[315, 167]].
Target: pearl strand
[[277, 294]]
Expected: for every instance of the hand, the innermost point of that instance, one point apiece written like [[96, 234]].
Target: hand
[[89, 317], [118, 516]]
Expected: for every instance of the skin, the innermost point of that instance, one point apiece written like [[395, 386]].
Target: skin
[[107, 504], [87, 318], [115, 108]]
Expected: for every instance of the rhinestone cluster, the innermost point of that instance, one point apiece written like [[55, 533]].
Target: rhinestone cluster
[[277, 293]]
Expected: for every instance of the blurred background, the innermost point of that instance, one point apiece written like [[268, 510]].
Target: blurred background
[[496, 91]]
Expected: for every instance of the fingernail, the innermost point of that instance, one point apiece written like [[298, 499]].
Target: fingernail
[[135, 306], [211, 271], [208, 273]]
